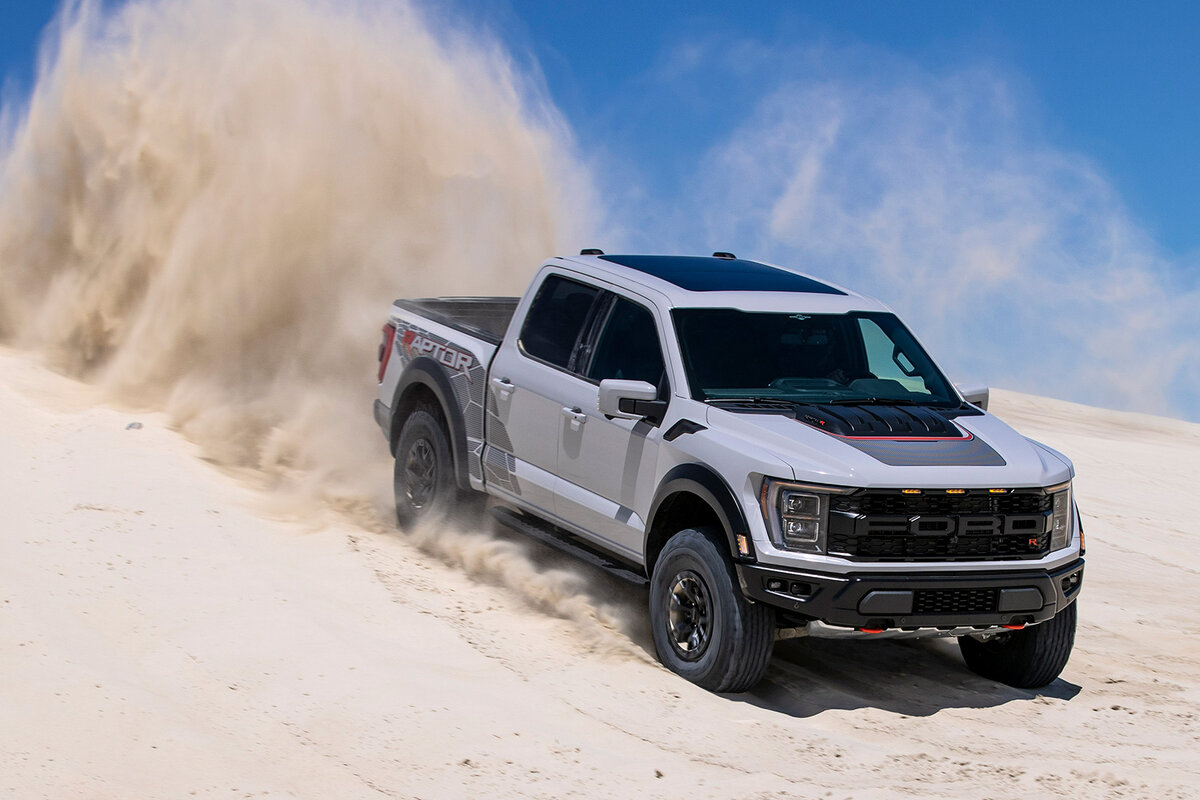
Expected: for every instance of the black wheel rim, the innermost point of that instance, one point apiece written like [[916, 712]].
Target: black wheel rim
[[689, 617], [420, 474]]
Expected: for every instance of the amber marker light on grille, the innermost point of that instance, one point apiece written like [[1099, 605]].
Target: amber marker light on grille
[[997, 491], [910, 491], [956, 491]]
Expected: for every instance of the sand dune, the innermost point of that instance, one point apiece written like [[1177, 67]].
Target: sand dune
[[215, 603], [166, 632]]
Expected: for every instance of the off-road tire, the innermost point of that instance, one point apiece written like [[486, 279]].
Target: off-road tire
[[694, 591], [423, 475], [1027, 659]]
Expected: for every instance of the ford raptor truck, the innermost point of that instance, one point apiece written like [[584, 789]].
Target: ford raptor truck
[[775, 455]]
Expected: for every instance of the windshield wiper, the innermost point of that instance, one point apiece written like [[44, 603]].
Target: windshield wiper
[[755, 401], [870, 401]]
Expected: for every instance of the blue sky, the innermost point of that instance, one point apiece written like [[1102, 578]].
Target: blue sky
[[1019, 179], [1115, 81]]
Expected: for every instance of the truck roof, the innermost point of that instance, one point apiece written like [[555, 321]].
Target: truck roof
[[723, 281]]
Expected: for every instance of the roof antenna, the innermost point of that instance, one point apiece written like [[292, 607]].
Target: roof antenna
[[726, 256], [591, 251]]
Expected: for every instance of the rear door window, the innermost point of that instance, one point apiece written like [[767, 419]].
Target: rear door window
[[557, 316]]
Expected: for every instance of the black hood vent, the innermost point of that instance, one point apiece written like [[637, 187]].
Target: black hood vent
[[891, 422]]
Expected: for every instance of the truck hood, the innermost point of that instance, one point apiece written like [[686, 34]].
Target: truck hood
[[966, 451]]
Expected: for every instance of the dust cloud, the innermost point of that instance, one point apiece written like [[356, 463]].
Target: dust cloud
[[597, 614], [206, 207]]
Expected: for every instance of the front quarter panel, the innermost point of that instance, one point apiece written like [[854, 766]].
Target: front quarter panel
[[741, 462]]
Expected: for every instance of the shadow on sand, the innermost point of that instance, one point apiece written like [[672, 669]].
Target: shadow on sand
[[808, 676], [911, 677]]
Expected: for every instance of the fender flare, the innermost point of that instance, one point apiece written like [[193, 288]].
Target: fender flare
[[703, 482], [424, 371]]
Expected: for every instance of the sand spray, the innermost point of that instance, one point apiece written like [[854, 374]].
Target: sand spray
[[206, 207]]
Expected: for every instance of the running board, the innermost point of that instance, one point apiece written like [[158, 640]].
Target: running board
[[561, 540]]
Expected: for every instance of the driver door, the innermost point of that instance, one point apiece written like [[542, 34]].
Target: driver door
[[606, 466]]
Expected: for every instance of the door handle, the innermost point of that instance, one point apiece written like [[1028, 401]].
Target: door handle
[[576, 415], [504, 386]]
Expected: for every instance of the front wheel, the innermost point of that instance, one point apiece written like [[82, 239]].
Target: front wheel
[[1027, 659], [704, 628], [423, 476]]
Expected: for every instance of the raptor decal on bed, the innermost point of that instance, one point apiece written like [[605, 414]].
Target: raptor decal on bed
[[418, 344]]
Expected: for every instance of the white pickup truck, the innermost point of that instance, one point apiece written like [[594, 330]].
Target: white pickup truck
[[775, 454]]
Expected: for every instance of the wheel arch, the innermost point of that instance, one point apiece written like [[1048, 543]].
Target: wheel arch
[[424, 380], [694, 496]]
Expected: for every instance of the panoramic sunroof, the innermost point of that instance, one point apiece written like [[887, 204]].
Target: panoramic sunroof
[[706, 274]]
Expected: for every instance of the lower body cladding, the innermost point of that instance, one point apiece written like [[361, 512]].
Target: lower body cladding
[[911, 605]]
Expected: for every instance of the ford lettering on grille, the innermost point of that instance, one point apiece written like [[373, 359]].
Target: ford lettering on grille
[[973, 525], [982, 525], [914, 537]]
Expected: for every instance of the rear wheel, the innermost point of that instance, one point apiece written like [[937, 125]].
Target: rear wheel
[[1027, 659], [704, 628], [423, 476]]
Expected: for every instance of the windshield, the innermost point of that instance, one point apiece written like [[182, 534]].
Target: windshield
[[860, 357]]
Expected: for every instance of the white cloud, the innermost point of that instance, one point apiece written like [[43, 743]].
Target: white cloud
[[1015, 261]]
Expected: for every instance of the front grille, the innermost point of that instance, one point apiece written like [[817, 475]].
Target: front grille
[[955, 601], [906, 547], [887, 525], [890, 503]]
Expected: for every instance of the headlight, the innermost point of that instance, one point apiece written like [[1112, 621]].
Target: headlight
[[1060, 518], [796, 515]]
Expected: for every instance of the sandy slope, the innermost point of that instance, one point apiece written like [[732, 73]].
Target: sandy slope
[[162, 636]]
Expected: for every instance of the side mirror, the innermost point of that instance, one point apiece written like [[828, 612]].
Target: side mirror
[[630, 400], [974, 393]]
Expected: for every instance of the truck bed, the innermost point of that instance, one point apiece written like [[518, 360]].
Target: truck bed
[[484, 317]]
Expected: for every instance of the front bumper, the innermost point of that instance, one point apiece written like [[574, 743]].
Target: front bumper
[[918, 600]]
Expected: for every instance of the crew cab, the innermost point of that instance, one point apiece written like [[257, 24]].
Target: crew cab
[[774, 454]]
